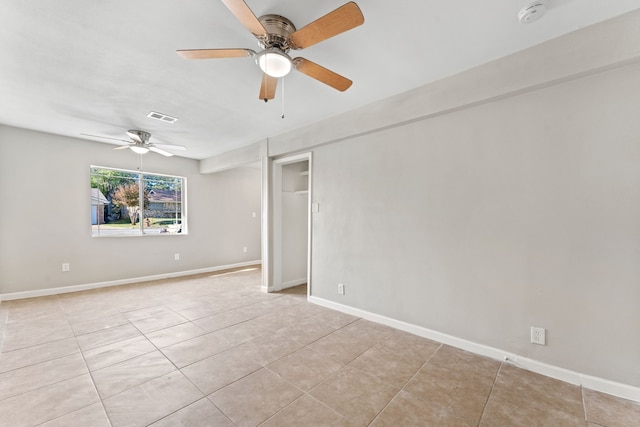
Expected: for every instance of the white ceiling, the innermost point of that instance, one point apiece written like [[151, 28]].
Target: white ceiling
[[75, 67]]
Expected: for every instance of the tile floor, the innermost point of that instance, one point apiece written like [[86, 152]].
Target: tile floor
[[213, 350]]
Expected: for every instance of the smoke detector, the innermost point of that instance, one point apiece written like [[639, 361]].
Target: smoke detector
[[532, 13]]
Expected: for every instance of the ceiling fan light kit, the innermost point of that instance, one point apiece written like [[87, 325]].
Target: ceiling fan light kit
[[533, 12], [274, 62], [139, 150], [277, 35]]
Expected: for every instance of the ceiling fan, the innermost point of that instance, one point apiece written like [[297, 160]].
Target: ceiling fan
[[277, 36], [140, 144]]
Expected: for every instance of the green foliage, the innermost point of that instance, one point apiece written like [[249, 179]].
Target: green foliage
[[129, 195], [108, 180], [121, 189], [158, 182]]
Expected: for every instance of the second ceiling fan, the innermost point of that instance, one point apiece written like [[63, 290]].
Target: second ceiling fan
[[277, 36]]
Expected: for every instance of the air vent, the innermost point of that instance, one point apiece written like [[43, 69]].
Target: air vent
[[162, 117]]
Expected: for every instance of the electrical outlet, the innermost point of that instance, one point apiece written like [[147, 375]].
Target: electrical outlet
[[176, 257], [538, 336], [340, 289], [66, 267], [244, 249]]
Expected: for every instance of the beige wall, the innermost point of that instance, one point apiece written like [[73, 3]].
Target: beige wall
[[295, 224], [44, 220], [505, 197], [482, 223]]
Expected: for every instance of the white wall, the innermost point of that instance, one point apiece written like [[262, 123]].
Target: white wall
[[295, 224], [505, 197], [484, 222], [44, 219]]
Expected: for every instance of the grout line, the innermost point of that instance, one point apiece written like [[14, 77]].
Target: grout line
[[121, 361], [45, 386], [386, 406], [584, 404], [42, 361], [177, 410], [88, 370], [303, 394], [218, 408], [148, 380], [226, 385], [405, 384], [100, 399], [495, 380]]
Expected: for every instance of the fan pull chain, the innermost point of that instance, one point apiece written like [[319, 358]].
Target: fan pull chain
[[282, 97]]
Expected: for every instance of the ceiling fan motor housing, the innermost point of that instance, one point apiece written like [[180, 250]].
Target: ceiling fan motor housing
[[279, 30], [144, 136]]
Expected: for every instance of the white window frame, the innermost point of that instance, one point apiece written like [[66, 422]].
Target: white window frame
[[141, 228]]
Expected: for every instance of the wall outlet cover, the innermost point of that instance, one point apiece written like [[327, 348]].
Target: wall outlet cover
[[538, 336]]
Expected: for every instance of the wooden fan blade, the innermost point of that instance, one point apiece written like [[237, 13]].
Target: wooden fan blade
[[246, 17], [268, 87], [122, 147], [322, 74], [214, 53], [159, 151], [342, 19]]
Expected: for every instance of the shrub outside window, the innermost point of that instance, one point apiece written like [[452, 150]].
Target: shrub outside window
[[132, 203]]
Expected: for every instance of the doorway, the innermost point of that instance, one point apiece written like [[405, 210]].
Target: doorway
[[291, 226]]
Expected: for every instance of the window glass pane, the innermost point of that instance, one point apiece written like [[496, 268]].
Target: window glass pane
[[117, 197], [164, 211]]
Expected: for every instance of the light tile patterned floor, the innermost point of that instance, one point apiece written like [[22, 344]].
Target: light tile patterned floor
[[213, 350]]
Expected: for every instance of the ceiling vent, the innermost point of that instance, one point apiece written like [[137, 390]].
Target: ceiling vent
[[162, 117], [532, 12]]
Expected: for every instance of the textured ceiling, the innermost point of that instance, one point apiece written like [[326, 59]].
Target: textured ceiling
[[80, 67]]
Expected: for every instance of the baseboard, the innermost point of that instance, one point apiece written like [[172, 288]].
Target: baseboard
[[292, 283], [97, 285], [285, 285], [594, 383]]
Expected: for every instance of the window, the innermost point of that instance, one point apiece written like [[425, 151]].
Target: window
[[117, 197]]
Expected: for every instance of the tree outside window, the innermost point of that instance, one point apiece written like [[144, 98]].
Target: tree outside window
[[128, 195], [116, 197]]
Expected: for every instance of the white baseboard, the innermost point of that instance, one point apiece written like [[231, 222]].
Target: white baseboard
[[292, 283], [97, 285], [285, 285], [594, 383]]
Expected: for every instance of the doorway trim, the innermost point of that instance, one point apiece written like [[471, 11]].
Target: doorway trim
[[272, 223]]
